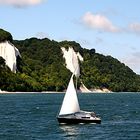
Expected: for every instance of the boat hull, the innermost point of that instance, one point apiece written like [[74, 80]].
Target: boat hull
[[63, 120]]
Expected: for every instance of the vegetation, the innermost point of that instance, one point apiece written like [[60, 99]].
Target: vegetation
[[42, 68], [104, 71], [4, 35]]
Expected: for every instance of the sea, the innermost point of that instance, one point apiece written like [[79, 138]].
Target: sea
[[32, 116]]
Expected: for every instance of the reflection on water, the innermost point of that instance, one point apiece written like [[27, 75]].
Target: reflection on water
[[71, 131], [79, 131]]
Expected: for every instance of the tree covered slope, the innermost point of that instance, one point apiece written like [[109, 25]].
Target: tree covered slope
[[42, 68]]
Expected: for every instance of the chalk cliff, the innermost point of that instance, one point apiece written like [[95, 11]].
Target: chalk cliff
[[9, 52], [72, 60]]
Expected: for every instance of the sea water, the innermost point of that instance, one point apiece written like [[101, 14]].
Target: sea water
[[33, 117]]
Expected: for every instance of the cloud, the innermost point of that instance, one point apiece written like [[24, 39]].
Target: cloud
[[134, 27], [41, 35], [98, 40], [84, 42], [20, 3], [100, 22], [133, 61]]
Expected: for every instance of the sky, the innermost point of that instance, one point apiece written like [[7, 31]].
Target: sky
[[111, 27]]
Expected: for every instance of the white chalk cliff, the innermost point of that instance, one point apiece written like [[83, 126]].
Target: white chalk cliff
[[72, 63], [9, 52], [84, 89], [71, 59]]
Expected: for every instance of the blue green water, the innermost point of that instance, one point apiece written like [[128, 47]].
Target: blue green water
[[33, 117]]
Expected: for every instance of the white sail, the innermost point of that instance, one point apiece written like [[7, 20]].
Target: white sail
[[70, 103]]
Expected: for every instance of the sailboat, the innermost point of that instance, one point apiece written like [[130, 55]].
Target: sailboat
[[70, 112]]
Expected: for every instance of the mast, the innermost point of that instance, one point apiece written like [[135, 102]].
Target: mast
[[70, 102]]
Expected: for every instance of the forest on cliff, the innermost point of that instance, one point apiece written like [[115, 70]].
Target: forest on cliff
[[42, 68]]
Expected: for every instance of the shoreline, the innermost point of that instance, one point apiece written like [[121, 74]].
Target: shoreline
[[55, 92], [26, 92]]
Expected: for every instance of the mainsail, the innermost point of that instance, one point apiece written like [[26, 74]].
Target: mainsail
[[70, 103]]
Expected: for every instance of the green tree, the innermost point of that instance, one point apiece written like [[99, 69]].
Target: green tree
[[4, 35]]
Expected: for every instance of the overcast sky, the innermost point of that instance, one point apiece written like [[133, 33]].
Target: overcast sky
[[112, 27]]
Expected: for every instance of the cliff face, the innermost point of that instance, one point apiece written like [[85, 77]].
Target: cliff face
[[9, 52], [42, 67], [71, 60]]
